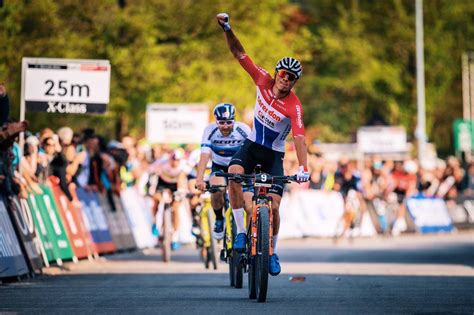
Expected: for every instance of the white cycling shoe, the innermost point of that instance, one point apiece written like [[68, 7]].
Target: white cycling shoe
[[218, 232]]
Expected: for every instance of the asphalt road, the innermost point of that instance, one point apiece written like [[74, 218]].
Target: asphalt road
[[409, 274]]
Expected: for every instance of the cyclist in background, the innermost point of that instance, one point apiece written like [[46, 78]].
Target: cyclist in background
[[172, 176], [348, 183], [194, 193], [277, 112], [220, 141]]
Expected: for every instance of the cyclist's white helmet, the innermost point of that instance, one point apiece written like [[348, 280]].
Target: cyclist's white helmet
[[224, 111], [177, 154], [290, 64]]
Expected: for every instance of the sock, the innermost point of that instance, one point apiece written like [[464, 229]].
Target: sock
[[239, 220], [219, 215], [275, 238]]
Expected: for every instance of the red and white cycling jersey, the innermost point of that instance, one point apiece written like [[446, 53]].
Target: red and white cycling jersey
[[273, 118]]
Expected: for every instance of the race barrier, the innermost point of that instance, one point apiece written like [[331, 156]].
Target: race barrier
[[430, 215], [461, 211], [21, 217], [95, 221], [118, 223], [186, 223], [137, 209], [12, 261], [49, 223], [382, 213], [316, 213], [71, 217]]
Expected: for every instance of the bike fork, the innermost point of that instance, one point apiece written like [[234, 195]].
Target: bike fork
[[270, 230]]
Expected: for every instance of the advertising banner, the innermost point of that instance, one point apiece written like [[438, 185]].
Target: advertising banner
[[176, 123], [382, 139], [138, 213], [430, 215], [51, 209], [95, 221], [50, 252], [463, 135], [290, 219], [72, 220], [23, 222], [66, 86], [12, 262], [461, 211], [321, 211], [112, 221], [317, 213], [127, 235]]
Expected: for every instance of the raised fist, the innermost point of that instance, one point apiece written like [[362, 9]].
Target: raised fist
[[223, 20]]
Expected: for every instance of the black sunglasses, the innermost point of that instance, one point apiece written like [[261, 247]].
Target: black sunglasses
[[225, 122]]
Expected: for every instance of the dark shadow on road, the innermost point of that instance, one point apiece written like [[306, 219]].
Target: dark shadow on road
[[446, 254], [209, 293], [453, 254]]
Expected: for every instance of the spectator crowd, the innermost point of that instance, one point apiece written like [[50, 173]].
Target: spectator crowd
[[88, 160]]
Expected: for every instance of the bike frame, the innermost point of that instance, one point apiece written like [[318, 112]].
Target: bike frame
[[203, 218], [261, 199]]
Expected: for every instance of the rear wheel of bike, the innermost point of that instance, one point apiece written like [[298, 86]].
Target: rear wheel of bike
[[237, 262], [238, 269], [230, 260], [251, 262], [167, 234], [230, 253], [262, 258], [211, 251]]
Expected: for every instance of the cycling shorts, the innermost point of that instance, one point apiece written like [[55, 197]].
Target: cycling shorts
[[251, 154], [165, 185]]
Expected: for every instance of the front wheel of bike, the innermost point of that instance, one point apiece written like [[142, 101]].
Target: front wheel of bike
[[211, 250], [238, 270], [251, 270], [230, 261], [167, 234], [230, 253], [263, 251]]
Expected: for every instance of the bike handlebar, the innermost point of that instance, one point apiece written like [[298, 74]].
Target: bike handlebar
[[253, 177], [214, 188]]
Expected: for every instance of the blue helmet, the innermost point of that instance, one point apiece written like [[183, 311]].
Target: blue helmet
[[224, 111]]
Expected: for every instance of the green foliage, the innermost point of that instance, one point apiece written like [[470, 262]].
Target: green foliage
[[364, 64]]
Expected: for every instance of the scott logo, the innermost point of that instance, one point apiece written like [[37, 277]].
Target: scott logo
[[227, 141]]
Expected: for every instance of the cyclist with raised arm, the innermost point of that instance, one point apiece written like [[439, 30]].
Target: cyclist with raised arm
[[277, 112], [220, 141]]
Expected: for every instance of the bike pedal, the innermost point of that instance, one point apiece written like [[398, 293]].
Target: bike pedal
[[223, 255]]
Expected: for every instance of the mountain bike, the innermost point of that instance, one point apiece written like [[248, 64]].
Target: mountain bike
[[165, 213], [231, 257], [350, 220], [256, 258], [206, 222]]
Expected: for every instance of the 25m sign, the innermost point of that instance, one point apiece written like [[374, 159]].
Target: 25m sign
[[66, 86]]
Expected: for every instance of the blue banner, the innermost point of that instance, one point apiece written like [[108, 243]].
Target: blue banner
[[12, 262], [95, 220], [430, 215]]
